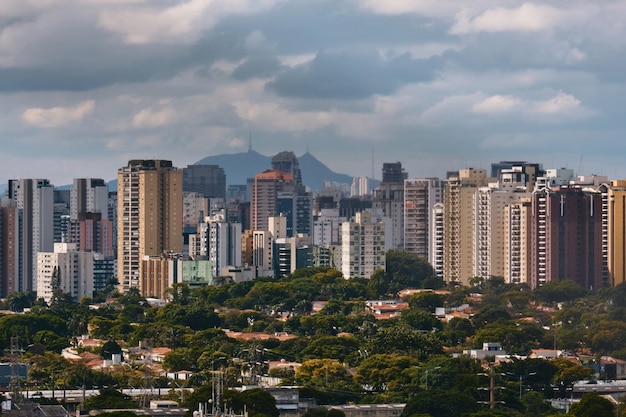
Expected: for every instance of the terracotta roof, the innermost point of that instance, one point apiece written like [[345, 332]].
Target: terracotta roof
[[260, 336], [272, 174]]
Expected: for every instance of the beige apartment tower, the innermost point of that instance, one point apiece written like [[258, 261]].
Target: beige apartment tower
[[517, 241], [616, 246], [150, 216], [458, 248], [491, 242]]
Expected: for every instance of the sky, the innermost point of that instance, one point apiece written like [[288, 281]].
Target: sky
[[86, 85]]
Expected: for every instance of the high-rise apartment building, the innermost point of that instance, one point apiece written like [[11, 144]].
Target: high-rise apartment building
[[89, 195], [150, 198], [389, 198], [92, 233], [490, 242], [294, 202], [359, 187], [219, 242], [420, 196], [364, 244], [327, 228], [615, 246], [161, 272], [523, 173], [436, 243], [34, 199], [292, 253], [459, 223], [267, 187], [9, 247], [517, 241], [207, 180], [195, 208], [567, 236], [66, 270]]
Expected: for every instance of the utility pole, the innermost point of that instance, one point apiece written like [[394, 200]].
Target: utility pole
[[492, 388], [15, 369]]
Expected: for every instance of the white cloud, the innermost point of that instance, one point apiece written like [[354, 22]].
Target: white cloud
[[237, 143], [526, 18], [561, 103], [465, 108], [497, 104], [448, 109], [58, 116], [150, 118], [183, 21], [145, 25], [432, 8]]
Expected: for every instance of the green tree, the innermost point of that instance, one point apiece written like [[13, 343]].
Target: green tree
[[18, 301], [258, 402], [559, 291], [387, 372], [515, 338], [420, 319], [426, 300], [458, 330], [405, 341], [179, 293], [330, 347], [181, 359], [439, 403], [592, 405], [535, 405], [109, 398], [325, 373], [568, 372], [110, 348], [489, 315]]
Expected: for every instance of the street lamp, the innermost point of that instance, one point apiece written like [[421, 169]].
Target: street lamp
[[428, 370], [520, 382]]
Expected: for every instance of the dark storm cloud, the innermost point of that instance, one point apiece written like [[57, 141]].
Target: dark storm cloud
[[352, 76], [303, 26]]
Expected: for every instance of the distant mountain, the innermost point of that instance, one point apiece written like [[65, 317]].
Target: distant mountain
[[241, 166]]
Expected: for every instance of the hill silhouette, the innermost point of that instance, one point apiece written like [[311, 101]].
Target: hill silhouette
[[241, 166]]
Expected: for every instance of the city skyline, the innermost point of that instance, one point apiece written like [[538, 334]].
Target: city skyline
[[87, 85]]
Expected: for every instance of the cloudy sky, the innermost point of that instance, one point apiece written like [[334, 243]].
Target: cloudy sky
[[438, 85]]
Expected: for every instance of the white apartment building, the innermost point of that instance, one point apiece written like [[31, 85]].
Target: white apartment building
[[517, 241], [89, 195], [218, 241], [489, 227], [34, 199], [364, 243], [263, 252], [195, 208], [420, 195], [327, 227], [67, 270], [436, 242], [555, 177]]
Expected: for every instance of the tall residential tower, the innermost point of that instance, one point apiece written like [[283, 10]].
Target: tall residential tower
[[150, 199]]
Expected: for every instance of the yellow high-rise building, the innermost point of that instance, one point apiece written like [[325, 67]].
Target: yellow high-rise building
[[458, 247], [150, 216], [617, 232]]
